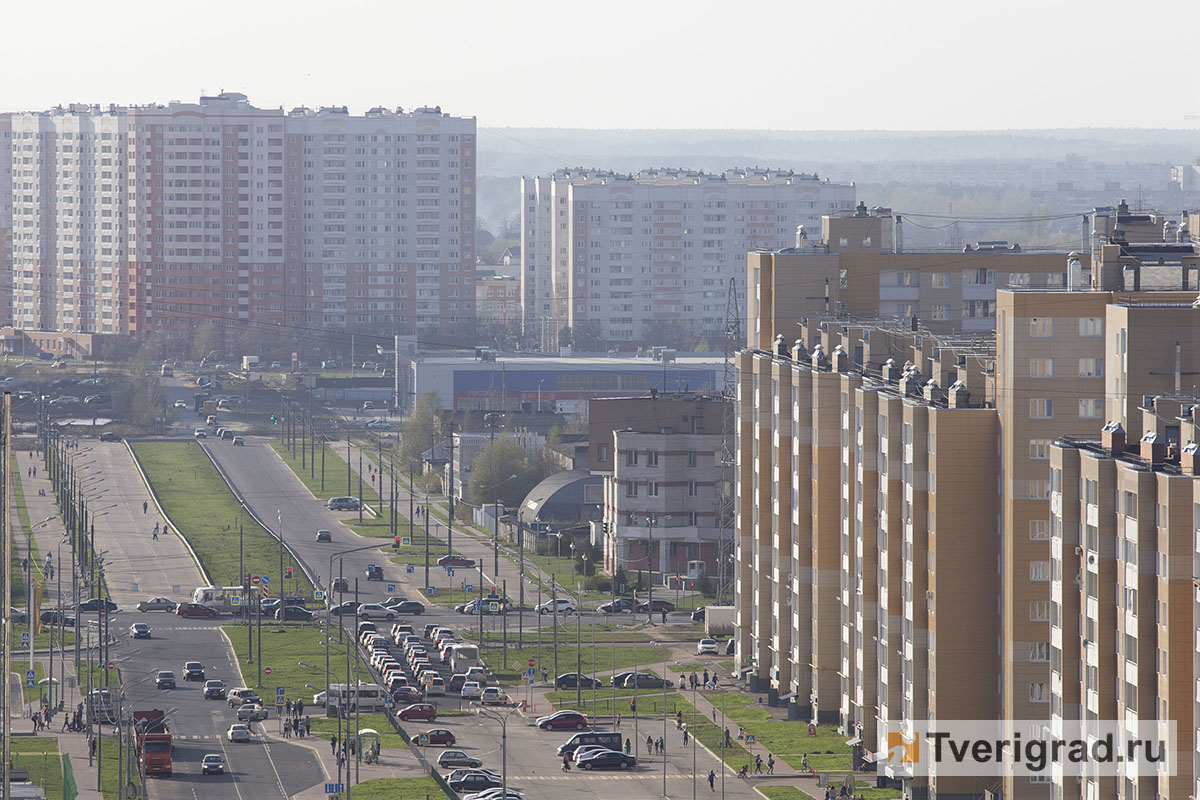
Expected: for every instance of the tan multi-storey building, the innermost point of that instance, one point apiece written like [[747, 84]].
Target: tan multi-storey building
[[918, 468], [154, 218]]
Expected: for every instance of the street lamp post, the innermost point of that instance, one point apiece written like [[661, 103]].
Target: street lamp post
[[502, 718]]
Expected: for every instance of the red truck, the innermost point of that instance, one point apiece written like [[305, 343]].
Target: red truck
[[153, 741]]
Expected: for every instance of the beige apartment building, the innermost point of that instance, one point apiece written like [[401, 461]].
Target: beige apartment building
[[894, 490]]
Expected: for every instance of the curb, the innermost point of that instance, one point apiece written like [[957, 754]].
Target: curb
[[177, 529]]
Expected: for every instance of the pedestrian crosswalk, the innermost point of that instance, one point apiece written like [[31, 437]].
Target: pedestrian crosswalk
[[575, 775]]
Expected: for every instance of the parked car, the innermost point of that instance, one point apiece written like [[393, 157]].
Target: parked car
[[569, 680], [239, 732], [435, 736], [562, 720], [324, 536], [157, 604], [707, 647], [214, 690], [212, 764], [729, 647], [698, 614], [139, 630], [18, 616], [644, 680], [165, 679], [423, 711], [563, 605], [345, 607], [473, 781], [605, 759], [111, 436], [55, 617], [195, 610], [96, 603], [295, 613], [455, 561], [457, 758]]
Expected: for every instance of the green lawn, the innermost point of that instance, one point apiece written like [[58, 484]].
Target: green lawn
[[789, 741], [193, 495], [865, 789], [397, 789], [646, 658], [605, 634], [388, 736], [41, 757], [284, 647]]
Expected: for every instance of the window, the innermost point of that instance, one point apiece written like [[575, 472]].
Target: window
[[1039, 490], [693, 519], [1039, 651], [631, 458], [651, 458], [1041, 367], [1091, 327], [1039, 449], [1037, 530], [692, 489], [1039, 571], [652, 489], [941, 312], [1091, 408], [1091, 367], [1039, 408], [1037, 693], [603, 453], [939, 280], [631, 489], [1039, 611], [692, 458], [1041, 327]]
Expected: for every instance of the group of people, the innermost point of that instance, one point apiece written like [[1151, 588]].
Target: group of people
[[343, 751], [74, 721], [301, 727], [156, 528], [845, 791], [704, 681], [31, 472], [41, 719]]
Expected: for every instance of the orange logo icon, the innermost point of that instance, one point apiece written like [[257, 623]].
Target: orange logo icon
[[902, 750]]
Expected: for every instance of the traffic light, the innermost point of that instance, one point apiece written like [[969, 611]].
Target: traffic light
[[289, 573], [396, 544], [274, 419]]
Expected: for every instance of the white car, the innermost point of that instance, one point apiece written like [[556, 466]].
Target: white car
[[471, 690], [180, 404], [319, 699], [238, 733], [563, 605], [374, 611], [200, 433], [707, 647], [435, 687]]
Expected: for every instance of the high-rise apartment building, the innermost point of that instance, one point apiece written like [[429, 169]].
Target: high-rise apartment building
[[132, 219], [621, 257], [898, 555]]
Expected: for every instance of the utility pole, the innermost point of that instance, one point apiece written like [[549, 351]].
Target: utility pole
[[450, 519]]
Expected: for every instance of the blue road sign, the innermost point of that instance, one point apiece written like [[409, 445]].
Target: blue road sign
[[25, 637], [423, 738], [29, 678], [469, 588], [409, 569], [406, 540], [494, 607], [750, 738], [391, 588], [334, 788], [431, 590], [265, 580], [280, 690], [318, 595], [235, 600]]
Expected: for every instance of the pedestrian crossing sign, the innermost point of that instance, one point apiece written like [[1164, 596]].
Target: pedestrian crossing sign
[[750, 739], [405, 540], [318, 595], [29, 678], [335, 797], [494, 607], [409, 569], [235, 600]]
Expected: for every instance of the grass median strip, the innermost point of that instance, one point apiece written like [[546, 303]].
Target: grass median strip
[[194, 496], [42, 758], [790, 742], [397, 789], [647, 659]]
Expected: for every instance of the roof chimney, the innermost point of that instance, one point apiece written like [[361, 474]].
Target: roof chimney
[[890, 372], [1188, 458], [899, 236], [933, 392], [1153, 448], [1112, 438], [840, 359], [820, 361], [781, 348], [958, 396]]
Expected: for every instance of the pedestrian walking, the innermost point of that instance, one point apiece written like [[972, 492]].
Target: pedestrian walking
[[757, 763], [649, 744], [287, 729], [566, 762], [714, 714], [682, 683], [714, 679], [145, 505], [664, 615], [770, 764], [628, 746], [727, 742], [333, 745], [705, 679], [35, 472], [307, 726], [299, 708], [618, 720], [685, 735], [288, 707], [633, 706], [92, 746], [29, 472]]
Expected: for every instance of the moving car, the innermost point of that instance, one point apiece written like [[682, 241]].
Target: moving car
[[606, 759], [423, 711], [195, 610], [409, 607], [165, 679], [374, 572], [238, 733], [455, 561], [294, 613], [54, 617], [324, 536], [193, 671], [729, 647], [110, 436], [239, 441], [200, 433], [435, 736], [707, 647], [270, 605], [473, 781], [563, 605], [435, 687], [343, 504], [214, 690], [457, 758], [156, 604], [139, 630], [345, 607], [180, 404], [341, 585], [562, 720], [569, 680], [698, 614], [212, 764], [375, 611], [622, 605], [227, 435], [658, 606], [243, 695], [96, 603], [471, 690], [251, 712]]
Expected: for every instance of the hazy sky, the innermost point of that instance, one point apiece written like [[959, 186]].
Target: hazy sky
[[794, 64]]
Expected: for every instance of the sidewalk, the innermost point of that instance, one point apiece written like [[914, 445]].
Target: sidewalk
[[393, 763]]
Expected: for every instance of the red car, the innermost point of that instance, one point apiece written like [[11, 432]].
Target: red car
[[435, 736], [195, 610], [424, 711], [455, 561], [563, 719]]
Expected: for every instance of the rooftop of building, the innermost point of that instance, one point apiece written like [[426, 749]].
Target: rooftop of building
[[675, 176], [468, 359], [232, 101]]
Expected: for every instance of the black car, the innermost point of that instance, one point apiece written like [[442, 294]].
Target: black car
[[294, 613], [193, 671], [214, 690], [96, 603], [698, 614], [620, 677], [658, 606], [473, 782], [606, 759], [729, 647], [109, 436], [570, 680], [374, 572], [296, 600], [54, 617], [348, 607], [341, 585], [165, 679], [619, 606], [409, 607]]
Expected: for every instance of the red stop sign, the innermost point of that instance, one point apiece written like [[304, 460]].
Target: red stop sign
[[532, 661], [266, 670], [111, 665]]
